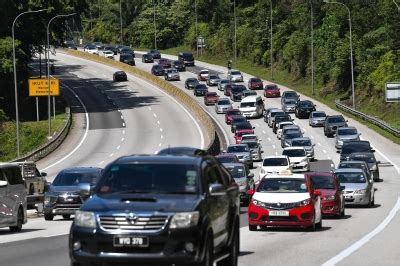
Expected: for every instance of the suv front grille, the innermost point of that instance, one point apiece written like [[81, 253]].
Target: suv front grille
[[145, 223]]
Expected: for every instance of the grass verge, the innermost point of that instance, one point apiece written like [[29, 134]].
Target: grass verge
[[32, 136]]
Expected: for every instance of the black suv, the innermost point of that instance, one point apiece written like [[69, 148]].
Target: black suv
[[353, 146], [332, 122], [157, 209], [187, 58], [303, 109], [127, 59]]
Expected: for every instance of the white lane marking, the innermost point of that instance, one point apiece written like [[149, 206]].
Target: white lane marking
[[112, 154], [324, 151], [329, 158], [159, 145], [84, 136], [155, 152], [304, 130], [122, 139], [149, 108], [119, 146], [276, 153], [312, 136], [264, 132], [161, 129], [319, 144], [123, 124], [100, 163], [269, 139], [158, 122], [119, 110], [273, 146], [155, 115], [186, 111], [123, 132], [257, 125], [357, 245], [122, 117], [162, 136]]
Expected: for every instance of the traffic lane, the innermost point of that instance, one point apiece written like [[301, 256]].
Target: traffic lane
[[41, 251], [335, 236]]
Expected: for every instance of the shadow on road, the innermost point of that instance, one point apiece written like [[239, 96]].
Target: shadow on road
[[4, 232]]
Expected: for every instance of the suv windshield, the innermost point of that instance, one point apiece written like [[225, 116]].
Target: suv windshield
[[323, 182], [149, 178], [73, 179], [351, 177], [247, 104], [238, 148], [283, 185], [294, 153]]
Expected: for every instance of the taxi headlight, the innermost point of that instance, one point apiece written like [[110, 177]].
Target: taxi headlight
[[85, 219], [305, 202], [184, 220]]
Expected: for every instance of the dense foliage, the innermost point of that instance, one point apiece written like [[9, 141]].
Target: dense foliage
[[375, 25]]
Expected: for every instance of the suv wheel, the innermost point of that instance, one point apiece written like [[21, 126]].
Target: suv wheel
[[48, 216], [20, 221], [232, 259], [208, 259]]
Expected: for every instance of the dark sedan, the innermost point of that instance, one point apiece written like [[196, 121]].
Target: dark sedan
[[179, 65], [237, 92], [200, 90], [127, 59], [157, 70], [154, 53], [303, 109], [147, 58], [191, 83], [120, 76], [255, 84]]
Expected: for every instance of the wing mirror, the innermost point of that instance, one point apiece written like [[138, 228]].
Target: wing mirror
[[337, 151], [217, 190], [3, 183], [372, 149], [84, 189], [250, 192], [43, 174], [378, 162]]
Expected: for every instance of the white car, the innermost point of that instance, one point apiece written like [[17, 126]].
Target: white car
[[280, 127], [298, 158], [92, 49], [274, 164], [108, 54]]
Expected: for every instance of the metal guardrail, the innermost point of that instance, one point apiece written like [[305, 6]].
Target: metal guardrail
[[374, 120], [50, 146]]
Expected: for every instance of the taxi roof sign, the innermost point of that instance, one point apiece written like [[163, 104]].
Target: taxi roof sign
[[40, 87]]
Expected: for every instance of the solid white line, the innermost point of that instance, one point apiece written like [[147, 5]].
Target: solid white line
[[348, 251], [312, 137], [319, 144], [100, 163], [112, 154], [84, 136], [119, 146]]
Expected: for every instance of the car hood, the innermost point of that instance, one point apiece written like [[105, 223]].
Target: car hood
[[63, 189], [281, 197], [141, 202], [296, 159], [353, 186]]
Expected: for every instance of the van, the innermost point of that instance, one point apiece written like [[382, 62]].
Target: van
[[187, 58], [252, 106], [12, 197]]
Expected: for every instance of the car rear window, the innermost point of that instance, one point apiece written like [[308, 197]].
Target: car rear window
[[347, 131], [275, 162], [349, 148], [294, 153], [336, 119]]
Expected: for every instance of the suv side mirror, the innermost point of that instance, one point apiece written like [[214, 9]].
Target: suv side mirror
[[3, 183], [217, 190], [84, 189], [378, 162]]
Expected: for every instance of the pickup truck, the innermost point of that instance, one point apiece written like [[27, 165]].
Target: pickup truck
[[35, 183]]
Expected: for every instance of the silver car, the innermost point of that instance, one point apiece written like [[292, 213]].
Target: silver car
[[288, 105], [272, 114], [255, 148], [359, 190], [317, 119], [306, 143], [13, 203], [243, 178], [235, 75], [223, 105], [171, 74], [242, 151], [213, 80], [345, 134], [222, 83]]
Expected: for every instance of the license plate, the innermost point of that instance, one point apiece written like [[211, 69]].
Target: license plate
[[278, 213], [131, 241]]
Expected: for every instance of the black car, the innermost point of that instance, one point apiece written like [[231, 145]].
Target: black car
[[237, 119], [157, 70], [63, 196], [127, 59], [278, 119], [120, 76], [371, 161], [353, 146], [243, 126], [186, 58], [112, 48], [179, 65], [237, 92], [159, 209], [303, 109], [190, 83], [154, 53], [147, 58], [190, 151], [332, 122], [127, 50], [200, 90]]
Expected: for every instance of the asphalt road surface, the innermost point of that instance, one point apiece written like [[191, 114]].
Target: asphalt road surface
[[365, 236]]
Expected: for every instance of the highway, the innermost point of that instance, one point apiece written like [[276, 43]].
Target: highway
[[124, 120]]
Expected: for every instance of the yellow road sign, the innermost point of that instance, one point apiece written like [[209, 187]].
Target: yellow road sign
[[40, 87]]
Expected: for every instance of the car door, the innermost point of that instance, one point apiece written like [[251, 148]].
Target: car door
[[316, 200], [217, 206]]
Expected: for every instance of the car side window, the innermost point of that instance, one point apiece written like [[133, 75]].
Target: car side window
[[9, 173]]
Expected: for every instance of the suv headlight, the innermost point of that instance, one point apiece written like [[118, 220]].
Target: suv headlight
[[184, 220], [360, 191], [85, 219]]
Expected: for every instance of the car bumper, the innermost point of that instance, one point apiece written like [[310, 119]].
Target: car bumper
[[222, 110], [298, 217], [317, 123], [356, 199], [97, 246], [270, 95], [300, 167], [330, 207], [61, 209]]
